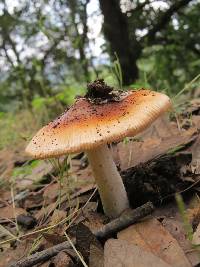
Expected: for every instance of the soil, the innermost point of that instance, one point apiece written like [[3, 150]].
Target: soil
[[156, 181], [98, 89], [99, 92]]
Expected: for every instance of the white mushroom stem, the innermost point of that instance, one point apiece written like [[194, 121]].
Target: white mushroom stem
[[109, 182]]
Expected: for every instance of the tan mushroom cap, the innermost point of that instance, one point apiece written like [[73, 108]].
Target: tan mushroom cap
[[86, 125]]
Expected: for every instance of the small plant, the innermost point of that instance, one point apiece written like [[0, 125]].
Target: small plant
[[186, 223], [117, 71]]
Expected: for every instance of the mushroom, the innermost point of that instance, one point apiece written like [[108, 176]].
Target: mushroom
[[92, 122]]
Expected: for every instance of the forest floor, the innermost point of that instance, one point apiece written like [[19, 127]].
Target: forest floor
[[46, 203]]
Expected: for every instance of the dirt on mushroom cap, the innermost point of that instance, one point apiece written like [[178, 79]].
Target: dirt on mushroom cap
[[86, 125]]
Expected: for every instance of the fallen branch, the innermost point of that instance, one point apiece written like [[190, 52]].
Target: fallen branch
[[42, 255], [112, 227], [124, 221]]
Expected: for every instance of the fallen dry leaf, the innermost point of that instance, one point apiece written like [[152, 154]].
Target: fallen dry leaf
[[57, 216], [13, 158], [33, 201], [196, 236], [84, 239], [93, 220], [12, 255], [24, 181], [196, 121], [54, 239], [96, 258], [120, 253], [50, 193], [84, 190], [4, 196], [62, 260], [82, 177], [45, 264], [148, 145], [9, 213], [176, 229], [44, 212], [195, 163], [153, 237]]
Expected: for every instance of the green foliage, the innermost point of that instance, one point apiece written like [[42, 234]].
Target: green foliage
[[68, 94], [163, 72], [174, 60], [41, 51], [117, 71], [23, 171], [8, 133], [18, 127], [43, 57], [186, 222]]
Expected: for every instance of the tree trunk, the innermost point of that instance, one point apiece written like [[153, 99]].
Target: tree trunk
[[117, 33]]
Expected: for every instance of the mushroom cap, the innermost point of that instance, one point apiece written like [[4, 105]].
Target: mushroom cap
[[86, 125]]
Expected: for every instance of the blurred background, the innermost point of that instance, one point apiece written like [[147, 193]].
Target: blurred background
[[51, 49]]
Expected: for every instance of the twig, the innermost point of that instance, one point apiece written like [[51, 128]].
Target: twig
[[41, 256], [114, 226], [125, 220]]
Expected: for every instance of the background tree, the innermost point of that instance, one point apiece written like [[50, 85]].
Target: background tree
[[41, 45], [132, 26], [45, 46]]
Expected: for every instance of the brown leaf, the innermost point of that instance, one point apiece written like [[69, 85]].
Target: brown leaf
[[45, 264], [4, 195], [12, 157], [45, 211], [50, 193], [54, 239], [36, 175], [120, 253], [84, 239], [196, 236], [196, 121], [156, 141], [176, 229], [195, 163], [153, 237], [12, 255], [93, 220], [33, 201], [57, 216], [96, 258], [62, 260], [83, 190], [9, 213]]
